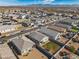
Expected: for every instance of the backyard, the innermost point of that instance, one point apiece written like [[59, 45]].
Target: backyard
[[75, 29], [51, 47]]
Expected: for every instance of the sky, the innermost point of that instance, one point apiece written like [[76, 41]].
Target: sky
[[28, 2]]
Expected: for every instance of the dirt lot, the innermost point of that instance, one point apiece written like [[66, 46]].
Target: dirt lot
[[34, 54]]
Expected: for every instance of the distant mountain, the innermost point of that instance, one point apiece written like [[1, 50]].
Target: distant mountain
[[50, 5], [41, 5]]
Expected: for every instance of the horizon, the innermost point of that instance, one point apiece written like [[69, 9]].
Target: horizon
[[30, 2]]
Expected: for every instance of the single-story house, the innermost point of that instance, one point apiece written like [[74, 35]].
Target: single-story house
[[22, 44], [69, 21], [57, 28], [39, 38], [68, 27], [6, 52], [51, 33]]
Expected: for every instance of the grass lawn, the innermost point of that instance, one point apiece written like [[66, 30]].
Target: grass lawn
[[51, 47], [75, 29]]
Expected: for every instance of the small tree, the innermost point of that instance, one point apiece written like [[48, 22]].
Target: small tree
[[72, 49]]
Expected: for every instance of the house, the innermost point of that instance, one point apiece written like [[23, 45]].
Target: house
[[24, 16], [6, 52], [67, 27], [51, 33], [14, 16], [69, 21], [22, 44], [39, 38], [57, 28], [77, 52], [8, 28]]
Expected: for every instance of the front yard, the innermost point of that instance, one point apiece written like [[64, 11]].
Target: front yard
[[51, 47]]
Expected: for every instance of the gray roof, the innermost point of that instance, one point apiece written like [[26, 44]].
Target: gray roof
[[68, 21], [49, 32], [8, 28], [56, 28], [22, 42], [4, 27], [37, 36], [63, 25], [6, 52]]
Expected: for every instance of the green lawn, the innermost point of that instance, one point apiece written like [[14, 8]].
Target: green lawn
[[52, 47], [72, 49], [75, 29]]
